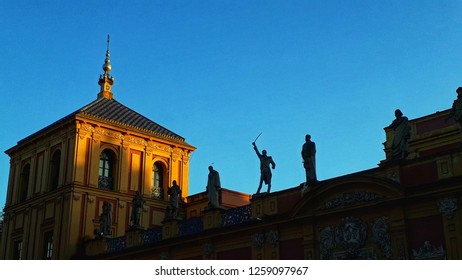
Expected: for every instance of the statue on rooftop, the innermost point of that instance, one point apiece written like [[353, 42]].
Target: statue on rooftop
[[456, 110], [265, 171], [105, 220], [137, 207], [174, 193], [402, 133], [213, 187], [309, 160]]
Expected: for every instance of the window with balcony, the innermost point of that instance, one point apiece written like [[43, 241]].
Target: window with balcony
[[106, 170], [157, 180]]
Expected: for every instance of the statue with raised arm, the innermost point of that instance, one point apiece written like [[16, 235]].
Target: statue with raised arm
[[309, 160], [265, 170], [137, 208], [402, 133], [213, 187], [456, 110], [174, 193]]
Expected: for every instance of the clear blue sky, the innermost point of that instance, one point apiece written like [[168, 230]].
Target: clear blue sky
[[220, 72]]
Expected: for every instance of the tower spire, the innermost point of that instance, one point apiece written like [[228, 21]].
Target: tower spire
[[105, 80]]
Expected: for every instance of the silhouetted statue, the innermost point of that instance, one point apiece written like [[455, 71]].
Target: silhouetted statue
[[137, 208], [402, 133], [213, 187], [105, 220], [175, 193], [456, 110], [309, 159], [265, 171]]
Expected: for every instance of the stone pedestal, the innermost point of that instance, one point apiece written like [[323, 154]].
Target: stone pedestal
[[212, 218], [134, 237], [170, 228], [96, 246], [264, 205]]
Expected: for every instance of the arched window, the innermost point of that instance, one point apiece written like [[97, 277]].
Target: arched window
[[106, 170], [54, 170], [157, 179], [24, 183]]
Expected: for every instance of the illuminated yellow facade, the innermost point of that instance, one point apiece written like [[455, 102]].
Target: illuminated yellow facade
[[61, 175]]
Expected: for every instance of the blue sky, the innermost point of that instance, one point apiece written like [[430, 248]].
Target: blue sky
[[220, 72]]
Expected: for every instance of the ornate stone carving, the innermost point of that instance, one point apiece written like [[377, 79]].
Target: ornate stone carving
[[448, 206], [351, 235], [135, 140], [258, 239], [87, 127], [327, 242], [381, 235], [157, 192], [429, 252], [108, 133], [186, 157], [272, 237], [350, 198]]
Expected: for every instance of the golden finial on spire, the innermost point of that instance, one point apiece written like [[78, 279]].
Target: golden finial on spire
[[107, 62], [106, 81]]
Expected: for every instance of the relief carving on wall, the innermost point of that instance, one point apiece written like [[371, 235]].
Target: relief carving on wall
[[429, 252], [109, 133], [270, 237], [350, 198], [448, 206], [135, 140], [351, 235], [381, 235], [258, 239], [160, 147]]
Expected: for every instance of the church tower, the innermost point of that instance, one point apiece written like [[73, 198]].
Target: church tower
[[102, 154]]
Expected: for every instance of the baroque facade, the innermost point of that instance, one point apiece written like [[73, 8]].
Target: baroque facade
[[405, 208]]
